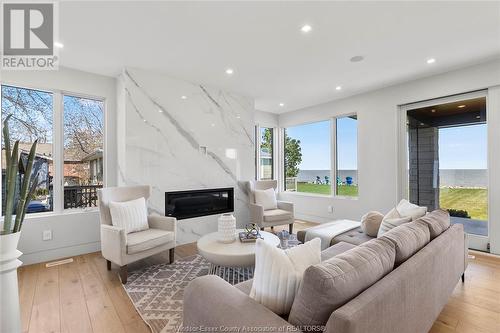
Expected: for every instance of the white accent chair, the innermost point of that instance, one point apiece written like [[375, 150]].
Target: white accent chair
[[284, 214], [121, 248]]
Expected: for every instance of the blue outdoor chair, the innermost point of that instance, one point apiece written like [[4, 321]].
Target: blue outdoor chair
[[348, 180]]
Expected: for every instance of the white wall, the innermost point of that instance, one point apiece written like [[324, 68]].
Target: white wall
[[378, 142], [73, 233], [266, 119]]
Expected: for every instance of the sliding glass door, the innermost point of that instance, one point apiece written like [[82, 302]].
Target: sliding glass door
[[447, 161]]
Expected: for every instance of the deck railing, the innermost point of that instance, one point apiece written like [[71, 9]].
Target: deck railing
[[80, 196]]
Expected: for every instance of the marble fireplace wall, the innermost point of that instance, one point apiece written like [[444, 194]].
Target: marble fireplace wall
[[176, 135]]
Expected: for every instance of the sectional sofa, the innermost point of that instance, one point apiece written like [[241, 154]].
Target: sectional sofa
[[396, 283]]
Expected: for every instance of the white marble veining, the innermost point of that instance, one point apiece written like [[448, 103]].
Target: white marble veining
[[164, 135]]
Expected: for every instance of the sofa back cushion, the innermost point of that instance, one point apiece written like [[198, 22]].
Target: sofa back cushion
[[334, 282], [437, 221], [408, 239], [410, 298]]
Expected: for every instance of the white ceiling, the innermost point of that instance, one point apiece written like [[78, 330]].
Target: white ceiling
[[273, 60]]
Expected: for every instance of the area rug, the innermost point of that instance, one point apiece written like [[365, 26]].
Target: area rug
[[157, 291]]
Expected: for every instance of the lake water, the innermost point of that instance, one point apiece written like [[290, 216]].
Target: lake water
[[448, 177]]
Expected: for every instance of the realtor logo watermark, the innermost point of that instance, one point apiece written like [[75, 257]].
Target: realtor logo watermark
[[29, 33]]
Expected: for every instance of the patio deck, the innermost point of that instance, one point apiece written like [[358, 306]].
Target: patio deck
[[471, 226]]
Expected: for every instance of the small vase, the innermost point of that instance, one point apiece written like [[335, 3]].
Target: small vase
[[9, 292], [227, 228]]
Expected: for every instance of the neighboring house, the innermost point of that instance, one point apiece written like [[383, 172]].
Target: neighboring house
[[95, 163], [77, 171], [43, 162], [266, 164], [42, 165]]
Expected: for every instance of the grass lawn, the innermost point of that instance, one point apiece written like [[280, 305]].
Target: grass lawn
[[473, 200], [343, 190]]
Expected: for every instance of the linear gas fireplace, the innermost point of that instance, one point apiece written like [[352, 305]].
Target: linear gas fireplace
[[187, 204]]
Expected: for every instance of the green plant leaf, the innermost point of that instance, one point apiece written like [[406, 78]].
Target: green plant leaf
[[24, 198], [11, 188], [6, 138], [34, 185]]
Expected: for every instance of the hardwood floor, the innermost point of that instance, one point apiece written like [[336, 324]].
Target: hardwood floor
[[84, 297]]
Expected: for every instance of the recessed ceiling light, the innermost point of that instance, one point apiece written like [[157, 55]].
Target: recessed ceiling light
[[238, 116], [212, 124], [58, 45], [229, 71], [433, 110], [282, 104], [338, 88], [160, 110], [461, 106], [183, 97], [431, 61], [144, 120], [357, 58], [306, 28]]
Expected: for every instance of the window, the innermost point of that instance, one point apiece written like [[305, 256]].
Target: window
[[70, 180], [32, 118], [266, 153], [83, 151], [347, 156], [307, 158]]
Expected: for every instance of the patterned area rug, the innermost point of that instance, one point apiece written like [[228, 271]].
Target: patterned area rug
[[157, 291]]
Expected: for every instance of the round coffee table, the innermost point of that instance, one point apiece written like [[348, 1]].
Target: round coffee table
[[235, 261]]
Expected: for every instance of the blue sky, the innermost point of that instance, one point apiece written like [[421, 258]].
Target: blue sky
[[463, 147], [460, 147], [315, 143]]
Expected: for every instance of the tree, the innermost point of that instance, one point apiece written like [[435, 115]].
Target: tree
[[293, 152], [293, 156], [267, 140]]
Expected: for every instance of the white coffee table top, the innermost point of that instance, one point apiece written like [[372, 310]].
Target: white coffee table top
[[235, 254]]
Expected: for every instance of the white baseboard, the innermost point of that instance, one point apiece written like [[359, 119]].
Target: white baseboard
[[63, 252]]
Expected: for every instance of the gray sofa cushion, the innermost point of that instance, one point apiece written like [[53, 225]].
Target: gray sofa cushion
[[330, 252], [437, 221], [354, 236], [408, 239], [332, 283], [245, 286], [335, 250]]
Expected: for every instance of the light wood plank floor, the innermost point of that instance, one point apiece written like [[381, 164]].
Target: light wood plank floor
[[84, 297]]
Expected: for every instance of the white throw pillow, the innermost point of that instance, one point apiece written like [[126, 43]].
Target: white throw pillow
[[406, 208], [266, 198], [392, 214], [388, 224], [278, 273], [129, 215]]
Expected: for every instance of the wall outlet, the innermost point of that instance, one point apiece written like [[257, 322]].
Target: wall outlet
[[47, 235], [330, 209]]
